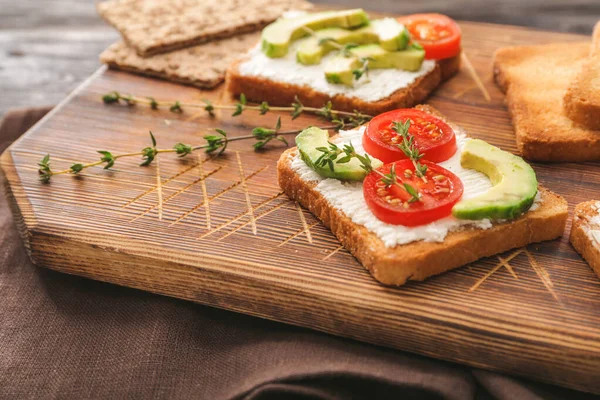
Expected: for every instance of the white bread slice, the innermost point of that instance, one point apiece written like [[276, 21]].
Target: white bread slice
[[420, 260], [581, 239], [535, 79], [582, 98], [277, 93]]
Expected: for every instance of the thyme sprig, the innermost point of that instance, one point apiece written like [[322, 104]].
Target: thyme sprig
[[346, 51], [409, 148], [215, 144], [344, 119], [329, 158]]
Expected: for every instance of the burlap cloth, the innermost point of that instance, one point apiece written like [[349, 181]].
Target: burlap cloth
[[71, 338]]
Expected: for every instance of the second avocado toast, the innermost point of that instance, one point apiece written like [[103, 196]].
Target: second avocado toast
[[346, 58]]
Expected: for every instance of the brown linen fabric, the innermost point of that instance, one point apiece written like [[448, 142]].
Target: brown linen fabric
[[67, 337]]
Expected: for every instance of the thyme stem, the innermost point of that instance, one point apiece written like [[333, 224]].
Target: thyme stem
[[214, 143]]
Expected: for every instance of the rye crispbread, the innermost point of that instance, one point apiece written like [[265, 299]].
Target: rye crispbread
[[582, 99], [203, 66], [280, 93], [420, 260], [580, 238], [160, 26], [535, 79]]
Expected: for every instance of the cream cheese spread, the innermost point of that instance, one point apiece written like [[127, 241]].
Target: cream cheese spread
[[379, 84], [348, 197]]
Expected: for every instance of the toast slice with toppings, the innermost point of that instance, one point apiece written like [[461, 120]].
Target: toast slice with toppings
[[585, 233], [418, 260], [582, 99], [257, 88], [535, 79]]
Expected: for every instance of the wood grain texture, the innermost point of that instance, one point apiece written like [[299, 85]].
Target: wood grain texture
[[533, 312]]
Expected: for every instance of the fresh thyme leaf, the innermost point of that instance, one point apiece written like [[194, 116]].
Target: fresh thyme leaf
[[76, 168], [264, 108], [215, 142], [108, 158], [278, 124], [415, 46], [182, 149], [390, 178], [221, 132], [262, 133], [413, 192], [239, 109], [44, 170], [409, 148], [148, 155], [112, 97], [176, 107], [260, 144], [358, 73], [209, 108], [298, 108], [325, 111], [153, 103], [283, 139], [153, 139]]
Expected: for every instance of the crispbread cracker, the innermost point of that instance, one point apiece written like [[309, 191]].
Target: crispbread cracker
[[203, 66], [160, 26], [535, 79]]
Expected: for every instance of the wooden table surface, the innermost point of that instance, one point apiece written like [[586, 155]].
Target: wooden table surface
[[48, 47]]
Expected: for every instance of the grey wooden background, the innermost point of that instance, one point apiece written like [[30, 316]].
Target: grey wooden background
[[47, 47]]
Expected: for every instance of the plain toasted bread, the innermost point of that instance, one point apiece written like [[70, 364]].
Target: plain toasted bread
[[420, 260], [582, 99], [580, 237], [282, 94], [535, 79]]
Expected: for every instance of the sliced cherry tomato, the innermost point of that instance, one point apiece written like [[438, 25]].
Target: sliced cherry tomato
[[438, 34], [432, 136], [393, 204]]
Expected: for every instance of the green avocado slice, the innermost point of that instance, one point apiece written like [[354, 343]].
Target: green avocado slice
[[276, 37], [515, 183], [312, 138], [339, 69], [388, 33]]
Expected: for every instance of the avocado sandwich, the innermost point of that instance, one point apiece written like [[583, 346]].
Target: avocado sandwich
[[447, 200], [357, 63]]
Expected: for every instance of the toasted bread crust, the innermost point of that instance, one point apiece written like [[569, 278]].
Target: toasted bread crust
[[420, 260], [582, 99], [282, 94], [534, 97], [579, 238]]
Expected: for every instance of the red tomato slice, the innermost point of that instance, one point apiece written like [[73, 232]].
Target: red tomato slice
[[438, 34], [432, 136], [391, 204]]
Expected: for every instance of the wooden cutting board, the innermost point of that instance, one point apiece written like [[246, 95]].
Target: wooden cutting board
[[219, 232]]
